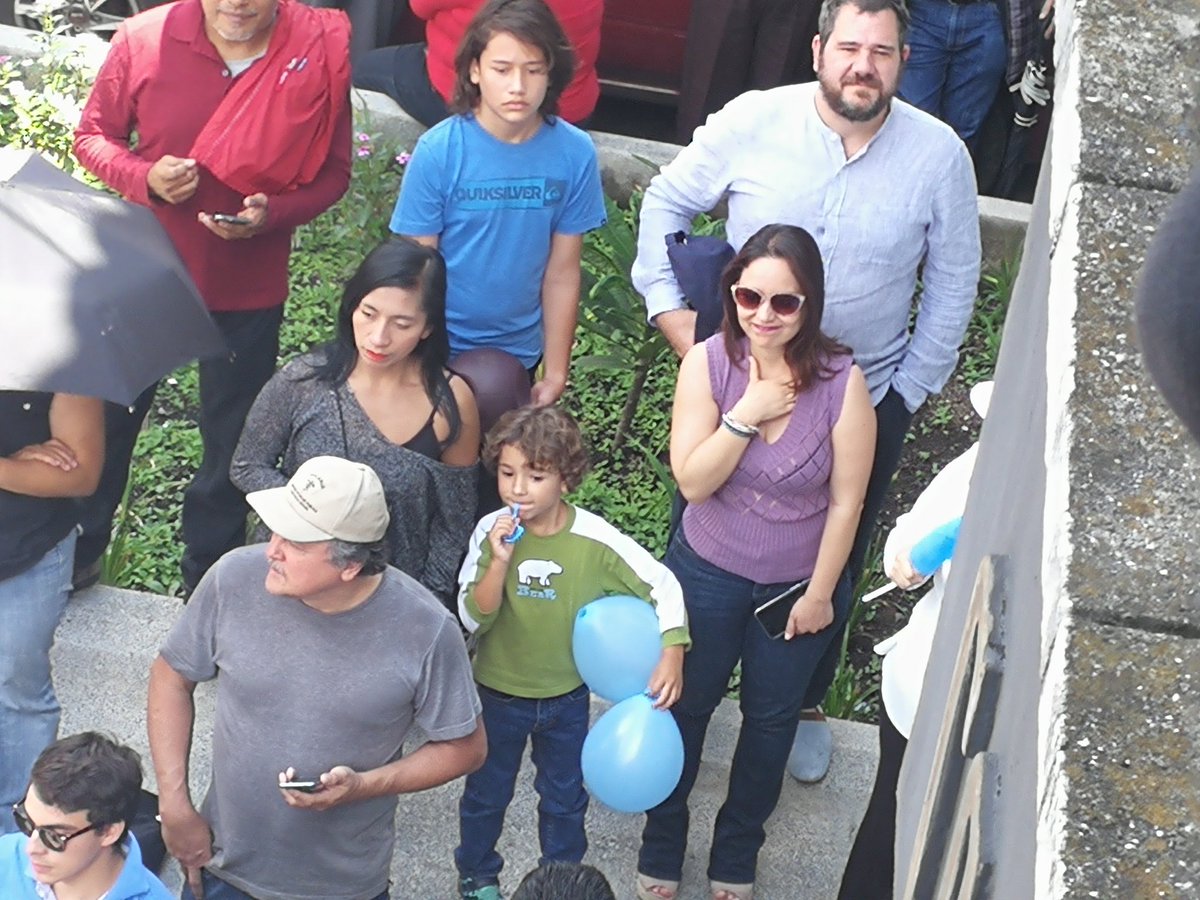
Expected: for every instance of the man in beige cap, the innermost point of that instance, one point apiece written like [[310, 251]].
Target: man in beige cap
[[327, 656]]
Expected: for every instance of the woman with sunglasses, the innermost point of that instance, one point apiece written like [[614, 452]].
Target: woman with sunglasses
[[772, 437]]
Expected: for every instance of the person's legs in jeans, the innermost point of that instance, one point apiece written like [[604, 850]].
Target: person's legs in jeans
[[978, 58], [719, 606], [870, 869], [814, 744], [558, 735], [121, 427], [923, 80], [487, 792], [401, 73], [214, 511], [31, 606], [774, 673]]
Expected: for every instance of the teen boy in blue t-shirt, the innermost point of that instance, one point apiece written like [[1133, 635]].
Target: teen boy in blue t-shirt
[[506, 190]]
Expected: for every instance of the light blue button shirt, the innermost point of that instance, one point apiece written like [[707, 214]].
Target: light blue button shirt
[[908, 197]]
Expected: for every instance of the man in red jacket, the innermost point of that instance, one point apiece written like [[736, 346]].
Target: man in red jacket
[[242, 122]]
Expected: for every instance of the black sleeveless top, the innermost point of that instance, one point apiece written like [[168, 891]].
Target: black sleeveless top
[[29, 526]]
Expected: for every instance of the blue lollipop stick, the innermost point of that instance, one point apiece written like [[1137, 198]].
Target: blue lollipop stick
[[519, 531]]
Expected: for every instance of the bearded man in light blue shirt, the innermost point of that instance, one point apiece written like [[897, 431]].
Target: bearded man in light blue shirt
[[885, 189]]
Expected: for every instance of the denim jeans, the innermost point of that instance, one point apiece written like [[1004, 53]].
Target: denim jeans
[[31, 606], [216, 889], [557, 726], [957, 59], [401, 73], [775, 673]]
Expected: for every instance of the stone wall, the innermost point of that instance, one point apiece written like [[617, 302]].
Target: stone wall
[[1084, 502]]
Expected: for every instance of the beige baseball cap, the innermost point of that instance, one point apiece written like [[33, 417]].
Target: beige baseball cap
[[329, 498]]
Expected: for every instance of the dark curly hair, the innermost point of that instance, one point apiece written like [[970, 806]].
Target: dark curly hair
[[548, 436], [530, 22], [90, 772], [810, 352]]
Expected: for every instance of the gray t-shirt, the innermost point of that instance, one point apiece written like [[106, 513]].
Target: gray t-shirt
[[305, 689]]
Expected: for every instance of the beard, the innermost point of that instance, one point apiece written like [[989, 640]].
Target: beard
[[835, 96]]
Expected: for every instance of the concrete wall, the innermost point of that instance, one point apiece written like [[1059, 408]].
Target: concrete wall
[[1087, 783]]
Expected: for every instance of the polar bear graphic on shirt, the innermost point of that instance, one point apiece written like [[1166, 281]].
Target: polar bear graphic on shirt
[[541, 569]]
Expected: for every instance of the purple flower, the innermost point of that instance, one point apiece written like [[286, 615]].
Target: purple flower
[[4, 59], [363, 137], [364, 151], [403, 158]]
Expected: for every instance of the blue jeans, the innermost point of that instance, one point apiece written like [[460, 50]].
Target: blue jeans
[[957, 59], [558, 726], [31, 606], [775, 673], [216, 889]]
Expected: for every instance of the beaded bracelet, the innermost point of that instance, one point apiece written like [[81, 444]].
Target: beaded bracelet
[[741, 429]]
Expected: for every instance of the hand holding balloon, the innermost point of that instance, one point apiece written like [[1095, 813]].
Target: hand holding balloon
[[666, 681]]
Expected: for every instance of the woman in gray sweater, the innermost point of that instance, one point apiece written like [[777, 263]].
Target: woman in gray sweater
[[380, 393]]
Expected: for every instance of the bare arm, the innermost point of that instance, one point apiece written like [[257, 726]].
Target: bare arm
[[433, 764], [170, 715], [560, 311], [853, 454], [426, 240], [67, 465], [703, 452]]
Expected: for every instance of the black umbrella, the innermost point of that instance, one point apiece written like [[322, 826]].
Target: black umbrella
[[94, 298]]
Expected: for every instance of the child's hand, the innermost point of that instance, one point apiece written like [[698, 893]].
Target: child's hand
[[900, 570], [666, 681], [501, 549]]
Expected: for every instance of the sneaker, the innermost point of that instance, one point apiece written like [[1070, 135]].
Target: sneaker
[[468, 889], [812, 748]]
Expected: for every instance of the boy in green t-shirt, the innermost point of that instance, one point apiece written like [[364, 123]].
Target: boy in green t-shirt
[[529, 569]]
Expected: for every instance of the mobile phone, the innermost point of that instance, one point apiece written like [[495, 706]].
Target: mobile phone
[[227, 219], [305, 787], [773, 615]]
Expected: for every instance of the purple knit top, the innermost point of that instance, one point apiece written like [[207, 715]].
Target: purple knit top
[[765, 522]]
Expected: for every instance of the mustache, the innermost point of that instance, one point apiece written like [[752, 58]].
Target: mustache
[[866, 80]]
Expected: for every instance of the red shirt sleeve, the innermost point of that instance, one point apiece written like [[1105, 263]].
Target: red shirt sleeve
[[305, 203], [102, 137]]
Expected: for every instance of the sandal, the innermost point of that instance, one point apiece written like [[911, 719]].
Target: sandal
[[655, 888], [731, 891]]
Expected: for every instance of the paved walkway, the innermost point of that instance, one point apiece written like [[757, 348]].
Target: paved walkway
[[109, 637]]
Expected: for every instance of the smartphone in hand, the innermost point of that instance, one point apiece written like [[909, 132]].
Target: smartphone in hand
[[227, 219], [773, 615], [302, 785]]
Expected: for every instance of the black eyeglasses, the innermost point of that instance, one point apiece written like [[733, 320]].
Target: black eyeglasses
[[749, 298], [53, 840]]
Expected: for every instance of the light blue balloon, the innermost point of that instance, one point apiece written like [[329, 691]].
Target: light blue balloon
[[633, 756], [616, 644]]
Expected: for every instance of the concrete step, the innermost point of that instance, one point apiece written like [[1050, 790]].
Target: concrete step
[[109, 637]]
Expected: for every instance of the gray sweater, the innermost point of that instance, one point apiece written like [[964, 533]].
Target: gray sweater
[[432, 505]]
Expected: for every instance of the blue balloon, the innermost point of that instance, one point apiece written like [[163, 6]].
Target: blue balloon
[[633, 756], [616, 644]]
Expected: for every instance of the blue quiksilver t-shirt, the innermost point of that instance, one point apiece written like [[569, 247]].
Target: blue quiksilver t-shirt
[[495, 208]]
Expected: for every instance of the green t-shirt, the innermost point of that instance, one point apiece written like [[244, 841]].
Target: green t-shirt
[[525, 645]]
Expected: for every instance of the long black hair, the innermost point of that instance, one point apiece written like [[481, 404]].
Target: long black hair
[[810, 351], [398, 262]]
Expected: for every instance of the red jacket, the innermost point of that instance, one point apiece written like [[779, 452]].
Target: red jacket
[[163, 80], [447, 20]]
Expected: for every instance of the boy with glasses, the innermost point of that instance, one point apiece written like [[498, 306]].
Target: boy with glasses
[[75, 842]]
